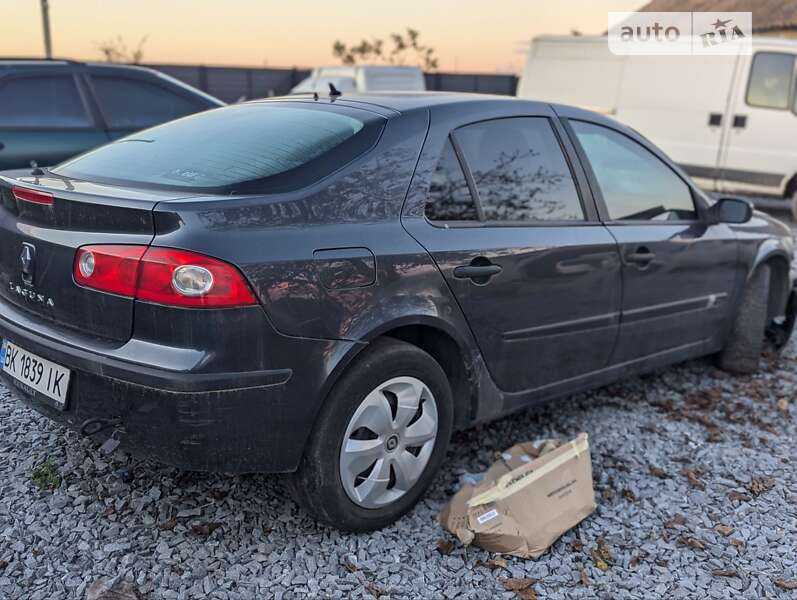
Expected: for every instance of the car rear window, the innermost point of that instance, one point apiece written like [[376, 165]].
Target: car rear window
[[248, 148]]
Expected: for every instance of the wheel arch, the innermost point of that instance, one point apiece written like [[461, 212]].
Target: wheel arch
[[777, 260], [440, 340]]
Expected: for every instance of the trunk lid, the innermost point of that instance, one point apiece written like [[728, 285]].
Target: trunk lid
[[38, 244]]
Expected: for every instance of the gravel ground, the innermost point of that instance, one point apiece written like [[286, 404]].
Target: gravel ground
[[695, 476]]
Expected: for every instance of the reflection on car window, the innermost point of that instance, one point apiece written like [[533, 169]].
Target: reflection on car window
[[128, 104], [770, 80], [449, 196], [519, 171], [262, 147], [42, 102], [635, 184]]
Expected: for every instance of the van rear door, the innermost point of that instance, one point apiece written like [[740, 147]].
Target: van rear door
[[681, 104], [760, 155]]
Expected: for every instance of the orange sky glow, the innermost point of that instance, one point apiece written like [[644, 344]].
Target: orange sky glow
[[468, 36]]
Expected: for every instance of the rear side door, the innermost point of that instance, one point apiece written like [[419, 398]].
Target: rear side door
[[129, 103], [760, 155], [536, 275], [679, 273], [45, 117]]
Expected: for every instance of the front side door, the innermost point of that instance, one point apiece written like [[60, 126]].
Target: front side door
[[679, 274], [44, 117], [760, 154], [537, 277]]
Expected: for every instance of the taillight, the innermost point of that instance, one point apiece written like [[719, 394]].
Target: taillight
[[32, 196], [184, 278], [112, 269], [162, 275]]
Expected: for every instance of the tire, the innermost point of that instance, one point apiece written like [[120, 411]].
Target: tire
[[742, 351], [324, 485]]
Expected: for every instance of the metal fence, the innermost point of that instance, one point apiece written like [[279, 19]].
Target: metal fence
[[233, 83]]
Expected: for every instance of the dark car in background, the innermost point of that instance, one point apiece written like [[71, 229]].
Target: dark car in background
[[51, 110], [329, 287]]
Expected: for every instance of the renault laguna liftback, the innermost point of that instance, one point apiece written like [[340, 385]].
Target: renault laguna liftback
[[328, 287]]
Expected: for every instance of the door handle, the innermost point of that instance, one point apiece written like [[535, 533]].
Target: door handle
[[480, 270], [642, 256], [715, 119], [740, 121]]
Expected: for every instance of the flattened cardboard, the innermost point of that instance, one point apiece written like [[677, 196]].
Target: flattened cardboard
[[524, 504]]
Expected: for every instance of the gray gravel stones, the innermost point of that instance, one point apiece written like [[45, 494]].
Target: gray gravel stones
[[181, 535]]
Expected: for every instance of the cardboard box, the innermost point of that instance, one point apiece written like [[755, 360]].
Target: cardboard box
[[526, 500]]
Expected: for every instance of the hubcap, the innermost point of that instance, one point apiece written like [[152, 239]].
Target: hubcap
[[388, 442]]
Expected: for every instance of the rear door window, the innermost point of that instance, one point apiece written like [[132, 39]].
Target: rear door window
[[449, 197], [42, 102], [771, 80], [519, 171], [134, 104], [247, 148]]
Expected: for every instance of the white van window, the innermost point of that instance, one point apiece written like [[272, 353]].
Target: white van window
[[771, 79], [636, 185]]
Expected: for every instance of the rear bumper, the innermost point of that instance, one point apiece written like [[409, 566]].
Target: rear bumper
[[257, 420]]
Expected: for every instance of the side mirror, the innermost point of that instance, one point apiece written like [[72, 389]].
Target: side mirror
[[730, 210]]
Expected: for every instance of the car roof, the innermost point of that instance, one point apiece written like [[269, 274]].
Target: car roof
[[7, 63], [400, 102]]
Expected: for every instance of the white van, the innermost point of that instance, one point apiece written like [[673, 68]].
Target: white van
[[729, 121], [363, 78]]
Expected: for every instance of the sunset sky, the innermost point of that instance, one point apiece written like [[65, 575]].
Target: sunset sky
[[468, 35]]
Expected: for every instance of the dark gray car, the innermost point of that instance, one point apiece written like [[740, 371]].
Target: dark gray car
[[329, 287]]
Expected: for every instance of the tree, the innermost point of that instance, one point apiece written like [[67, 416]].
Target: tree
[[116, 51], [374, 51]]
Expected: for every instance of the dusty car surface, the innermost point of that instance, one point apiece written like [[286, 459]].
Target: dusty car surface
[[329, 287]]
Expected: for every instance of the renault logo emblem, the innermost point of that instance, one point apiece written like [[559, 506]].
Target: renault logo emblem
[[28, 260]]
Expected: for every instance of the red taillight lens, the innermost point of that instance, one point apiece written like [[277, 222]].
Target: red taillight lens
[[112, 269], [162, 275], [33, 196], [182, 278]]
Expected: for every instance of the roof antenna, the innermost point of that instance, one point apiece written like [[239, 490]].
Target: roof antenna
[[334, 92], [35, 168]]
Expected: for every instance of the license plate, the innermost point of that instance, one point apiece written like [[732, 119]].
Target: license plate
[[35, 373]]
